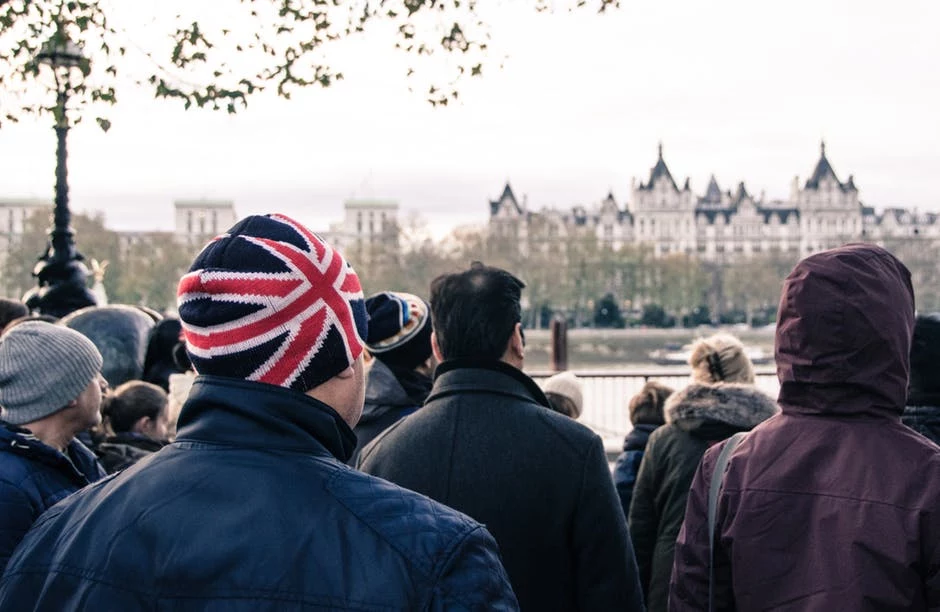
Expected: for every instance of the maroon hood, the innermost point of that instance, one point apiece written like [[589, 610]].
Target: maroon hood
[[844, 333]]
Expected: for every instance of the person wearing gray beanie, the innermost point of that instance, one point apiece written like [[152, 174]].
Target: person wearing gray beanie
[[50, 390]]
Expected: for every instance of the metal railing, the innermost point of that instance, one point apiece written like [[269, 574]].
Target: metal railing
[[607, 394]]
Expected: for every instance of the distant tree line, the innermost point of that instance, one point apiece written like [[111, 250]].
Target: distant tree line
[[143, 268], [591, 285], [580, 279]]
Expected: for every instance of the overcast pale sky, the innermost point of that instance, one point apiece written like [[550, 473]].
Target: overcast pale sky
[[738, 88]]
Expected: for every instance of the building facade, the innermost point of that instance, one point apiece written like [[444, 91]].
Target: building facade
[[197, 221], [369, 231], [820, 213]]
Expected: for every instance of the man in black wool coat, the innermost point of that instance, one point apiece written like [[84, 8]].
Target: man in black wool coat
[[487, 444]]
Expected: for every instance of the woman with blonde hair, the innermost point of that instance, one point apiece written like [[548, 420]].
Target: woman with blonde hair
[[720, 401]]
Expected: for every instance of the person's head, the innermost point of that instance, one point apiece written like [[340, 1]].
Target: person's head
[[720, 358], [476, 314], [271, 302], [137, 407], [646, 407], [843, 336], [11, 309], [159, 361], [925, 357], [399, 330], [52, 374], [565, 394]]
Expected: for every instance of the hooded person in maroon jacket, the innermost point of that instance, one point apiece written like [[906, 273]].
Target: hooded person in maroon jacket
[[832, 504]]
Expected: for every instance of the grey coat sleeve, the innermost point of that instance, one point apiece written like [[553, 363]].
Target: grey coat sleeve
[[605, 567]]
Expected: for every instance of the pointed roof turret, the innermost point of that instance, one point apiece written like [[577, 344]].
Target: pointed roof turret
[[609, 204], [713, 193], [660, 170], [507, 196], [740, 194], [823, 169]]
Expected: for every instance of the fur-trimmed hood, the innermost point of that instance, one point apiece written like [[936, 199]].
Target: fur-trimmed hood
[[735, 404]]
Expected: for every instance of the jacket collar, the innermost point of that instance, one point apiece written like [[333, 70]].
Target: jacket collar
[[461, 375], [638, 436], [257, 415], [738, 405], [382, 388], [78, 463]]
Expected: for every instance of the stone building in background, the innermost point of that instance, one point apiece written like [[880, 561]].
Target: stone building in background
[[197, 221], [721, 225], [369, 231], [14, 214]]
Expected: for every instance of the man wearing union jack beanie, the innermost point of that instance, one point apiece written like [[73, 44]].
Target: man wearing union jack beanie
[[252, 506]]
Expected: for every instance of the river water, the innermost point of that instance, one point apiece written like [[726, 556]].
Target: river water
[[628, 349]]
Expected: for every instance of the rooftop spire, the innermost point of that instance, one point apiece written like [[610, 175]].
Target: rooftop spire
[[660, 149], [822, 147]]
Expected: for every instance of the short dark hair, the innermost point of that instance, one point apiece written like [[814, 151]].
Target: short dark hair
[[474, 312], [124, 406]]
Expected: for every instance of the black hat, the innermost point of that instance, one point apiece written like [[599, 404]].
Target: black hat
[[399, 329]]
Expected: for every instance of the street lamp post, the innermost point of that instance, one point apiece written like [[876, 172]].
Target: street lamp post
[[62, 276]]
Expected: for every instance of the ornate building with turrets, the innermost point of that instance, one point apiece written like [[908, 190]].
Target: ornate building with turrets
[[822, 213]]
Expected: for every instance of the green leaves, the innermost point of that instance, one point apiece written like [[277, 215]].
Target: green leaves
[[286, 46]]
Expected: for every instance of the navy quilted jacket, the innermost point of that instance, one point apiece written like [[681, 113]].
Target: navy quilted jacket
[[33, 477], [628, 463], [252, 509]]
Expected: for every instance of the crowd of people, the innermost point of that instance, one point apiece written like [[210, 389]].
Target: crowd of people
[[335, 451]]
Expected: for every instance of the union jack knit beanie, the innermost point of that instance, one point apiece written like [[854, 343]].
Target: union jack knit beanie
[[270, 301]]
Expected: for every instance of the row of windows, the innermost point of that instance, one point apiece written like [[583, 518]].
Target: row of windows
[[359, 222], [204, 230]]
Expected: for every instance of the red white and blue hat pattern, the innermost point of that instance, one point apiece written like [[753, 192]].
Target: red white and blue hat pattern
[[270, 301]]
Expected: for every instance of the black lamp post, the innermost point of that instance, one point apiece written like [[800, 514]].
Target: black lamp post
[[63, 287]]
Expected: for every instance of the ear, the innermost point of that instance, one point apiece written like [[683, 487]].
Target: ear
[[435, 348], [516, 346], [142, 425]]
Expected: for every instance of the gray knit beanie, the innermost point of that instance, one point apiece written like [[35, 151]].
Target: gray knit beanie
[[43, 367]]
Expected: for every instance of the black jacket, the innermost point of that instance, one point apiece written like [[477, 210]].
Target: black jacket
[[696, 417], [387, 401], [124, 449], [486, 444], [251, 509], [33, 477]]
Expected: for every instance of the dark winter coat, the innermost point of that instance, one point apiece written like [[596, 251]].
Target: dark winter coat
[[33, 477], [628, 463], [487, 444], [123, 450], [251, 508], [387, 401], [832, 504], [696, 417]]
